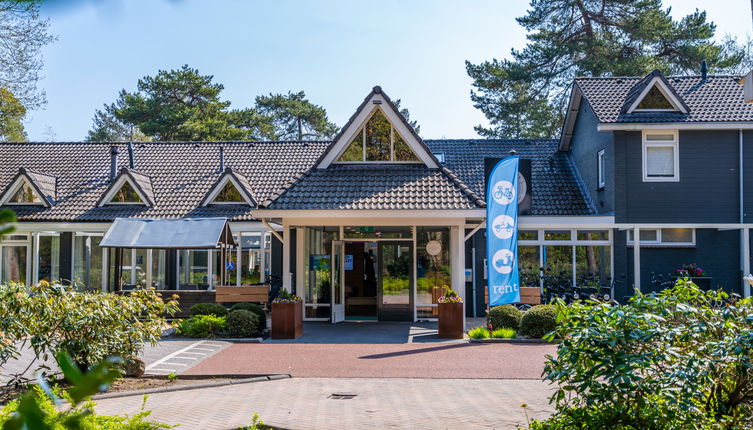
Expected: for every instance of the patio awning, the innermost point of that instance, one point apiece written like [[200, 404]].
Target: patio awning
[[185, 233]]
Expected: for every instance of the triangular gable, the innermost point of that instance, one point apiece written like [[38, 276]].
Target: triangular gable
[[128, 180], [34, 188], [377, 102], [654, 93], [238, 182]]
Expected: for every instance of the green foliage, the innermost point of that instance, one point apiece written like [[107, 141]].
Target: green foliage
[[252, 307], [678, 359], [538, 321], [12, 113], [208, 309], [478, 333], [256, 424], [507, 316], [108, 127], [294, 117], [90, 326], [504, 333], [172, 376], [242, 323], [202, 326], [525, 96], [7, 218]]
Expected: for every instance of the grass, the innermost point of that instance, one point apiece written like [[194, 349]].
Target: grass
[[504, 333], [478, 333]]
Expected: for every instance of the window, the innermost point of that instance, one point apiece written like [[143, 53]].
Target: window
[[24, 194], [87, 262], [661, 162], [377, 141], [655, 100], [14, 262], [229, 194], [600, 175], [126, 195], [664, 237], [48, 257]]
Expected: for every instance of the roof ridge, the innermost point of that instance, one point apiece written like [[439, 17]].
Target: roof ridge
[[465, 189]]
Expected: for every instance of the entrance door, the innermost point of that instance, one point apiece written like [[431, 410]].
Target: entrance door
[[395, 292], [337, 293]]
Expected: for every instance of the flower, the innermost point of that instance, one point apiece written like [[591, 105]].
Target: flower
[[446, 299]]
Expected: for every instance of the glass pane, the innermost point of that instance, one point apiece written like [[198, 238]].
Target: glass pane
[[140, 267], [250, 258], [395, 274], [126, 268], [318, 264], [655, 99], [660, 161], [13, 263], [229, 194], [378, 137], [677, 235], [433, 268], [87, 263], [25, 194], [402, 150], [558, 264], [557, 235], [647, 235], [126, 194], [528, 265], [377, 232], [336, 273], [660, 137], [49, 258], [159, 264], [318, 311], [193, 272], [528, 235], [593, 234], [592, 266], [354, 152]]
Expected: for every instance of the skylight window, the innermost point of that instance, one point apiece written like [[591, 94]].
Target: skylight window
[[126, 195], [25, 195], [655, 100], [378, 141]]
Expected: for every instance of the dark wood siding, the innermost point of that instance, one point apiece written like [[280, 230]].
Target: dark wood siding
[[586, 143]]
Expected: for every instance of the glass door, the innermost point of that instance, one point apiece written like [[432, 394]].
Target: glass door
[[395, 292], [337, 295]]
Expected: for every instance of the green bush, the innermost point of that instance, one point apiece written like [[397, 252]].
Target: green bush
[[252, 307], [478, 333], [507, 316], [538, 321], [242, 323], [678, 359], [208, 309], [504, 333], [202, 326]]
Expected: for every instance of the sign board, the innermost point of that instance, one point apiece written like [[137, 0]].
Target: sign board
[[348, 261], [433, 247], [524, 181]]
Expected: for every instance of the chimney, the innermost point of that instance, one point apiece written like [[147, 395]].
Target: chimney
[[131, 156], [114, 151], [222, 159], [704, 70]]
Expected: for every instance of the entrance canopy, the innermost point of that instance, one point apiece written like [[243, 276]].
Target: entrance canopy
[[185, 233]]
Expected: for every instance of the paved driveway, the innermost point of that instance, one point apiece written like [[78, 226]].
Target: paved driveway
[[307, 403]]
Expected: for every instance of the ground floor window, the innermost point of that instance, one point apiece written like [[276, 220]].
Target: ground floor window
[[432, 267], [87, 261], [317, 269], [48, 257], [664, 236], [14, 263], [193, 269]]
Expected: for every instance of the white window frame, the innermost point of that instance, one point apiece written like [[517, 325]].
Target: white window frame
[[13, 189], [600, 173], [14, 239], [659, 242], [674, 144], [362, 132], [107, 200]]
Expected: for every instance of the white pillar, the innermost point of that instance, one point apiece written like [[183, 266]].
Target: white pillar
[[457, 256], [745, 254], [286, 275], [637, 258]]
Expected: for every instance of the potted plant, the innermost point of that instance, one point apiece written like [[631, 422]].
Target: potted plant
[[451, 315], [696, 274], [287, 316]]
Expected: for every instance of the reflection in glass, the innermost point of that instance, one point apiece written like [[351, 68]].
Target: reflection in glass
[[14, 263], [49, 258], [395, 273], [87, 262], [159, 264], [433, 271], [528, 265], [193, 271], [592, 265]]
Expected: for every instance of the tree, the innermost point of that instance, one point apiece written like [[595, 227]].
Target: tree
[[23, 34], [294, 117], [406, 114], [107, 127], [12, 113], [525, 96]]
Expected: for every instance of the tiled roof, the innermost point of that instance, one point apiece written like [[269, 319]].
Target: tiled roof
[[374, 186], [556, 189], [717, 99], [180, 173]]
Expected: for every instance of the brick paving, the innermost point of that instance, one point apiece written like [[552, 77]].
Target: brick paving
[[305, 403]]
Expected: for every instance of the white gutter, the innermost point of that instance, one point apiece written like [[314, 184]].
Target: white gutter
[[272, 230], [675, 126]]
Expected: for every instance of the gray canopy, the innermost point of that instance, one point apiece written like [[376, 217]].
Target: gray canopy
[[184, 233]]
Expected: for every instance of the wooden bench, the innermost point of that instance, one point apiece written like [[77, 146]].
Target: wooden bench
[[528, 296], [244, 294]]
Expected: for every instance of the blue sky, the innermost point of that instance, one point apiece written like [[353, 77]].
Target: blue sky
[[333, 50]]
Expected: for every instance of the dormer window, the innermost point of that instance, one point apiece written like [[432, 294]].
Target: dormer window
[[654, 94], [126, 195], [655, 100], [229, 194], [378, 141], [231, 188], [30, 188], [24, 195], [129, 188]]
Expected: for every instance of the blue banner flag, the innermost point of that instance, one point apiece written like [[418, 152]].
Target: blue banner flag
[[502, 233]]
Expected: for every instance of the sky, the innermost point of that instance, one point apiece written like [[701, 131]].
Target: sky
[[334, 50]]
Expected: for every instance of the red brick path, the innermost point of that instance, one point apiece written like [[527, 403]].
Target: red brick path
[[411, 360]]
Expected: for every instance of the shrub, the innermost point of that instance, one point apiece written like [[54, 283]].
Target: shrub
[[504, 333], [252, 307], [242, 323], [678, 359], [202, 326], [505, 316], [538, 321], [478, 333], [208, 309]]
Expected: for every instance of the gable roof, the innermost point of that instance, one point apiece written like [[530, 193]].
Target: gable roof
[[374, 100], [641, 89], [141, 183], [44, 185], [240, 182]]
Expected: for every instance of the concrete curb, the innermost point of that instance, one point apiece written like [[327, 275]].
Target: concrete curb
[[223, 339], [501, 340], [191, 387]]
